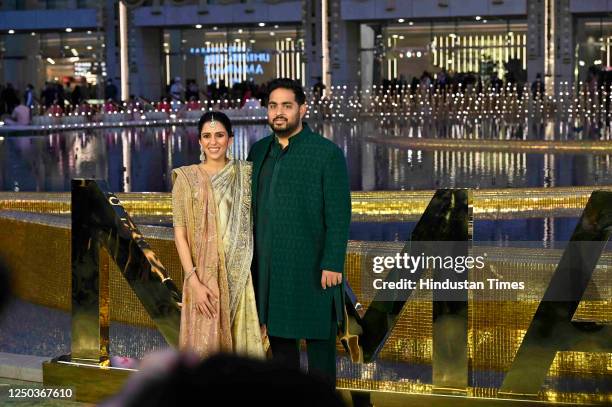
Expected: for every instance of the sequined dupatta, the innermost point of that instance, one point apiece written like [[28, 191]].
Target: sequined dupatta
[[232, 190]]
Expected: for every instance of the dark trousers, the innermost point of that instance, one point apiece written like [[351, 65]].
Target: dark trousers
[[321, 353]]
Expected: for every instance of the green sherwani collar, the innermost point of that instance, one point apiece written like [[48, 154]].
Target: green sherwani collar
[[299, 137], [293, 141]]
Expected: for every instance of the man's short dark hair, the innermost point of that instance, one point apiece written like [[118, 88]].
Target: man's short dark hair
[[290, 84]]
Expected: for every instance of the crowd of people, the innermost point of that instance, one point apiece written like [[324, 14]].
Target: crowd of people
[[242, 91], [54, 98], [57, 99], [459, 97], [449, 81], [77, 97], [453, 82]]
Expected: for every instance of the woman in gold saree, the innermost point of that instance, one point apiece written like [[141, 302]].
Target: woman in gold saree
[[213, 234]]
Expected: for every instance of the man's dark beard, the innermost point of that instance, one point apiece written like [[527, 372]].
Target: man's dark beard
[[289, 129]]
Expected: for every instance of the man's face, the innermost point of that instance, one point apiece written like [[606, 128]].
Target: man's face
[[284, 113]]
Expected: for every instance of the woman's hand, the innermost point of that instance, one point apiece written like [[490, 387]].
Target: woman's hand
[[204, 298]]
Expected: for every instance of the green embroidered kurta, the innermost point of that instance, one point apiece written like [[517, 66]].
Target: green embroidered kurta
[[302, 209]]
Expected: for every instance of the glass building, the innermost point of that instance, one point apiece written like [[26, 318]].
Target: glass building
[[351, 42]]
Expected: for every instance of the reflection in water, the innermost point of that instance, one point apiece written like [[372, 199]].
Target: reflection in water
[[392, 168], [127, 160], [398, 126], [140, 159]]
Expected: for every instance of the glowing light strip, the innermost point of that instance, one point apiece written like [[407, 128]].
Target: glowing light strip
[[325, 73], [506, 48], [446, 64], [207, 67], [465, 57], [607, 50], [292, 66], [435, 51], [123, 51], [277, 58], [244, 60], [167, 68], [298, 65], [282, 57], [524, 48], [227, 74]]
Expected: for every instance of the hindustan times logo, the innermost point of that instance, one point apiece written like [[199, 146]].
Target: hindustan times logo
[[413, 263]]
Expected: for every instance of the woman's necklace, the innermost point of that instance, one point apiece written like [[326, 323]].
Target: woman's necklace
[[212, 172]]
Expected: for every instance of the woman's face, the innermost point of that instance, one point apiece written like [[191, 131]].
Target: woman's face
[[215, 140]]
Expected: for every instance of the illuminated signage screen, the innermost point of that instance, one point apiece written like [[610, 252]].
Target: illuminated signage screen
[[231, 63]]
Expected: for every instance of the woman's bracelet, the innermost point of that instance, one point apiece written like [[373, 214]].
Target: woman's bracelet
[[193, 270]]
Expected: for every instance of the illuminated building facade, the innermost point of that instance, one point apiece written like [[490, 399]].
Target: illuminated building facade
[[345, 42]]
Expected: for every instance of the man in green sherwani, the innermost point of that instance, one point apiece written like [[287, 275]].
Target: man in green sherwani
[[302, 211]]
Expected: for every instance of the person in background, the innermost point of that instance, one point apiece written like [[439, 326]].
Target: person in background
[[442, 79], [222, 91], [55, 109], [10, 98], [29, 96], [20, 115], [193, 104], [48, 95], [110, 91], [110, 106], [60, 95], [132, 103], [76, 96], [425, 81], [192, 90], [318, 89], [84, 108], [496, 83], [537, 87], [164, 105], [176, 90], [246, 96]]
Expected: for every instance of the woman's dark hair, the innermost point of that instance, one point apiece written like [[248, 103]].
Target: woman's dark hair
[[218, 117], [290, 84]]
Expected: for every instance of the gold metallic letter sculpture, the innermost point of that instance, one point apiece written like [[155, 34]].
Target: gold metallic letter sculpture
[[98, 219], [448, 218], [551, 328]]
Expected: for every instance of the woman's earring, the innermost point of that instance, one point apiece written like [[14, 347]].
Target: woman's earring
[[202, 155], [230, 154]]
